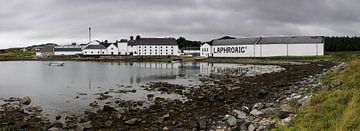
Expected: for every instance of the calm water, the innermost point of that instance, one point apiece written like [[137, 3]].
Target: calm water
[[55, 88]]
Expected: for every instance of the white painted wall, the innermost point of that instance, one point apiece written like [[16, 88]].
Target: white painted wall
[[159, 50], [67, 52], [93, 52], [230, 51], [266, 50], [269, 50], [112, 50], [205, 50], [123, 48]]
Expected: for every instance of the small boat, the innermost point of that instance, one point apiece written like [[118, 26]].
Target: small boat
[[56, 64]]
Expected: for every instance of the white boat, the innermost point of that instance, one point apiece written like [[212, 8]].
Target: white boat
[[56, 64]]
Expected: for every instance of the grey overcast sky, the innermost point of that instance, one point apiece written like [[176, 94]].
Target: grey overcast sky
[[28, 22]]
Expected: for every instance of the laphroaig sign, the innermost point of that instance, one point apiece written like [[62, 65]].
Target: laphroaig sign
[[237, 49]]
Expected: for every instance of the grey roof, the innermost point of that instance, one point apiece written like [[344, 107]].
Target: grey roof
[[271, 40], [292, 40], [67, 49], [239, 41], [131, 42], [106, 45], [156, 41], [95, 47]]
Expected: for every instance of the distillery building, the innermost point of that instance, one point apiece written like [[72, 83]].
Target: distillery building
[[265, 47]]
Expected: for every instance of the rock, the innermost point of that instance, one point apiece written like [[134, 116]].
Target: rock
[[239, 114], [131, 121], [94, 104], [251, 127], [58, 117], [104, 97], [269, 105], [269, 110], [285, 121], [26, 100], [84, 125], [150, 95], [256, 112], [108, 123], [305, 102], [339, 68], [231, 121], [202, 123], [166, 116], [258, 106], [90, 114], [82, 94], [55, 129], [262, 93], [337, 82], [266, 125], [245, 109], [108, 108], [285, 108], [57, 125], [165, 128], [161, 120]]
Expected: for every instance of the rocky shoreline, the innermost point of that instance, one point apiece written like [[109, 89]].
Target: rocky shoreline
[[222, 102]]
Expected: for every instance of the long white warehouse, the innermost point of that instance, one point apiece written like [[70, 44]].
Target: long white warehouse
[[265, 47]]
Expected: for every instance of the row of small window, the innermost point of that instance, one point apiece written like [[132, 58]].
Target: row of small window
[[93, 52], [156, 53], [156, 47], [205, 49], [155, 50]]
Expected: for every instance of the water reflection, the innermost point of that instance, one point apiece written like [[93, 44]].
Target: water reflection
[[55, 88]]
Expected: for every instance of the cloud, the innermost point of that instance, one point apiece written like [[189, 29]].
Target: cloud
[[64, 21]]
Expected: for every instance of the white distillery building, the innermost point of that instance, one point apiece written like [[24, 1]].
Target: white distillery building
[[155, 47], [265, 47], [94, 48], [68, 49]]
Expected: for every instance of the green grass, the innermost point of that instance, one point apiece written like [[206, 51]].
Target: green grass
[[15, 54], [337, 108]]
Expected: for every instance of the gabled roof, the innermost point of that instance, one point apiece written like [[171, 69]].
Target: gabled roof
[[239, 41], [106, 45], [95, 47], [156, 41], [292, 40], [67, 49], [271, 40]]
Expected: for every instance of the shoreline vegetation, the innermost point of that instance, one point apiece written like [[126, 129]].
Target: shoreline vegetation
[[336, 106]]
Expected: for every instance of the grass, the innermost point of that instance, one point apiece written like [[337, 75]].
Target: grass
[[16, 54], [337, 108]]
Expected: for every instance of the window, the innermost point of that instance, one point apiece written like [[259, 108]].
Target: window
[[92, 52], [172, 46], [85, 52], [166, 46], [150, 46], [98, 52], [155, 46], [112, 48]]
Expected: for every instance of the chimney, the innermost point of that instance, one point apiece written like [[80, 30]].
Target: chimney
[[137, 37], [131, 37]]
